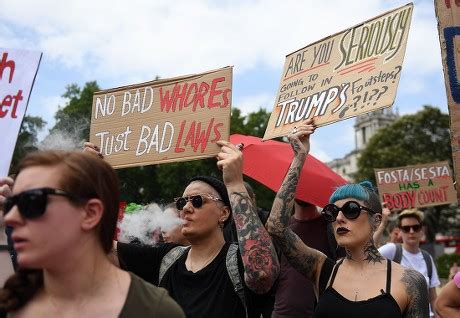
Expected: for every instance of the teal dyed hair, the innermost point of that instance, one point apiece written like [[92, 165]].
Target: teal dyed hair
[[363, 191]]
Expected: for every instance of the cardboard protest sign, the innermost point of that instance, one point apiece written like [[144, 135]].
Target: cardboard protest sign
[[416, 186], [18, 69], [344, 75], [448, 14], [168, 120]]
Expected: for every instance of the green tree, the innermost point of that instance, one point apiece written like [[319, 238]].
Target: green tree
[[27, 138], [419, 138], [253, 124], [75, 117]]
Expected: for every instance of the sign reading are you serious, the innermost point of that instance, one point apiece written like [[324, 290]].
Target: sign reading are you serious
[[344, 75]]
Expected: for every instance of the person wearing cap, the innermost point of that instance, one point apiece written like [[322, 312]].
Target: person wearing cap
[[410, 223], [199, 279]]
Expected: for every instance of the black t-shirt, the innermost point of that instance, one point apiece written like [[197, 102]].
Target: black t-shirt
[[206, 293]]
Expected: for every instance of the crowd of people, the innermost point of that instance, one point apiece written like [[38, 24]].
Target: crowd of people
[[227, 259]]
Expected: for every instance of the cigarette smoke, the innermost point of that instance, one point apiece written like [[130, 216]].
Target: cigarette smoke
[[59, 140], [68, 137], [141, 224]]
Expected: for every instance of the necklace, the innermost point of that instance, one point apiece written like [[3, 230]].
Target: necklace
[[208, 260]]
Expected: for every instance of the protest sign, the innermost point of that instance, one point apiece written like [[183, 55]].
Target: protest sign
[[448, 15], [168, 120], [344, 75], [416, 186], [18, 69]]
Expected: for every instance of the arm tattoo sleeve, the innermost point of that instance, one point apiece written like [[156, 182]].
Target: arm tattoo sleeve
[[417, 292], [300, 256], [261, 266]]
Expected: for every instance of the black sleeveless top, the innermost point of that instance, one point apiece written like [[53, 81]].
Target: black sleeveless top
[[332, 304]]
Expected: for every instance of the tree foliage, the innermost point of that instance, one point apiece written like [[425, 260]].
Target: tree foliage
[[253, 124], [419, 138], [75, 117], [27, 138]]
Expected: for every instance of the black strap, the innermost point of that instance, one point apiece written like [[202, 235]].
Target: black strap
[[426, 257], [398, 254], [325, 274], [388, 288], [4, 247], [429, 264], [334, 272]]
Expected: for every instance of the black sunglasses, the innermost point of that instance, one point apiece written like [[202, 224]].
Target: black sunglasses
[[406, 228], [32, 203], [197, 200], [351, 210]]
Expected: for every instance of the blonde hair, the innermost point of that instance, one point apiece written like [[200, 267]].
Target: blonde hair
[[411, 213]]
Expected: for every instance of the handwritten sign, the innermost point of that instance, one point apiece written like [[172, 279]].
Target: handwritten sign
[[416, 186], [448, 14], [17, 75], [175, 119], [344, 75]]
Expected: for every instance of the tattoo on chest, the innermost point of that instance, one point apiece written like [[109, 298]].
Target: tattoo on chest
[[372, 254]]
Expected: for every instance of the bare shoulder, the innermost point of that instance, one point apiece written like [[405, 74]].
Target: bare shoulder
[[410, 291]]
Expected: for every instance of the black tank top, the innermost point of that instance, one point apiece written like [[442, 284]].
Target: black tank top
[[332, 304]]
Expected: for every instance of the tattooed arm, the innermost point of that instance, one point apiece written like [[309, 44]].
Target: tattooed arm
[[304, 259], [417, 294], [261, 266]]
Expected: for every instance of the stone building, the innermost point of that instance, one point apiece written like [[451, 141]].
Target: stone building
[[365, 127]]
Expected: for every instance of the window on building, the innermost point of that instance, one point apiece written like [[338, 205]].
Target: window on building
[[363, 133]]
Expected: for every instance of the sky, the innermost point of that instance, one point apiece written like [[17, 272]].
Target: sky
[[118, 43]]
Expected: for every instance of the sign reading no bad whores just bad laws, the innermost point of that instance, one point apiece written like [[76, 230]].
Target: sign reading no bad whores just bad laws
[[344, 75], [416, 186], [168, 120]]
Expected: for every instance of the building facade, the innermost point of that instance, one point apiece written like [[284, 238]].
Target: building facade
[[365, 127]]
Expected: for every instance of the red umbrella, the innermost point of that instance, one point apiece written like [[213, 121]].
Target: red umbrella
[[268, 162]]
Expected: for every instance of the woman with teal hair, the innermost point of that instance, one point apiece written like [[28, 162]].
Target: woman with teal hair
[[363, 284]]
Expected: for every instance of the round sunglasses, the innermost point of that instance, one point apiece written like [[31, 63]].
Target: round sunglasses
[[351, 210], [32, 203], [197, 200]]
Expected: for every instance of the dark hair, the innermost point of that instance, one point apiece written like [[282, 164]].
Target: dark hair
[[220, 187], [303, 204], [393, 224], [86, 176]]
